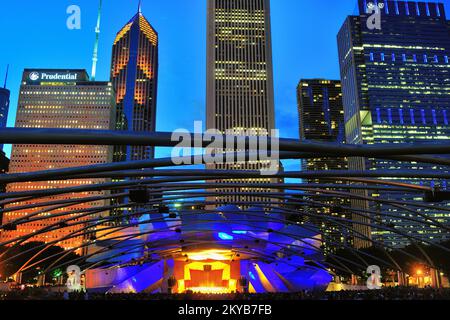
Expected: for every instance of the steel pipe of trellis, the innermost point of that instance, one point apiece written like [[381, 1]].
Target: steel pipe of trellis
[[97, 210], [89, 227], [164, 187], [28, 195], [416, 258], [157, 192], [109, 170], [165, 139], [170, 228], [57, 174], [294, 148], [303, 226], [280, 196]]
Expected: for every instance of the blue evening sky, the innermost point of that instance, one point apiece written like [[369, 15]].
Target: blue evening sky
[[34, 35]]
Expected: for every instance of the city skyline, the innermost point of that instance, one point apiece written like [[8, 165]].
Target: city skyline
[[187, 70], [348, 104]]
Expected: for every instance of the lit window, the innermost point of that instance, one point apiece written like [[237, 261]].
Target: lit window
[[433, 112], [444, 112], [404, 57], [382, 57], [425, 58], [393, 57], [438, 10], [400, 113], [446, 59], [428, 8], [378, 115], [417, 9], [390, 115], [396, 8], [407, 8], [371, 56]]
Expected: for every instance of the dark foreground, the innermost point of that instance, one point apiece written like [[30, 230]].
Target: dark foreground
[[393, 294]]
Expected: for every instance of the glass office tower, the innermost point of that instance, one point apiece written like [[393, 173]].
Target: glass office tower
[[396, 85]]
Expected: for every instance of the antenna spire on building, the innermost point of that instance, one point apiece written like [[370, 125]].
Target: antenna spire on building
[[97, 36], [6, 76], [140, 6]]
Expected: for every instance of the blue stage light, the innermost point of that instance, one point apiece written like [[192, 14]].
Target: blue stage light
[[225, 236]]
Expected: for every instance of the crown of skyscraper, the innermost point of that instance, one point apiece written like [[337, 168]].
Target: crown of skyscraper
[[144, 26], [402, 8]]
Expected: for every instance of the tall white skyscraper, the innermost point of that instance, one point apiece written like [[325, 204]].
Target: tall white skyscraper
[[240, 93]]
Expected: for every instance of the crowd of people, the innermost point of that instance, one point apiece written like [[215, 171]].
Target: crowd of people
[[397, 293]]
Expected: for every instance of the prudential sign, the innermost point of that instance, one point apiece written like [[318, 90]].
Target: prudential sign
[[47, 76]]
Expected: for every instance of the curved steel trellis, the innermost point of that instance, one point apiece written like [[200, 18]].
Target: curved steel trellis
[[170, 183]]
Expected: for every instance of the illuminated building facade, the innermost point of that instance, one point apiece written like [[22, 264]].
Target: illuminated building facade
[[321, 119], [62, 99], [4, 166], [240, 97], [134, 74], [396, 84]]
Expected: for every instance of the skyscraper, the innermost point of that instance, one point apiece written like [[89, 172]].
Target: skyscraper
[[63, 99], [321, 116], [240, 93], [321, 119], [4, 167], [396, 83], [4, 105], [134, 74]]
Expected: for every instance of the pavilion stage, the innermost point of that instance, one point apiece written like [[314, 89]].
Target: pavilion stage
[[228, 251]]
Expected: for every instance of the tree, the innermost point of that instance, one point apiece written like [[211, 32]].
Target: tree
[[21, 254]]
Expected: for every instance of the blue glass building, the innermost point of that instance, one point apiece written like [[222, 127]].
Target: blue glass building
[[4, 108], [396, 85]]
